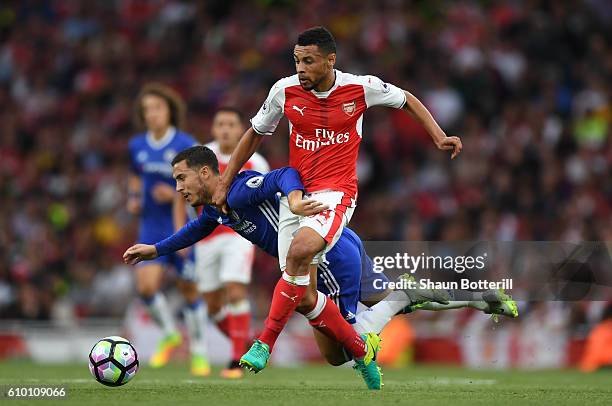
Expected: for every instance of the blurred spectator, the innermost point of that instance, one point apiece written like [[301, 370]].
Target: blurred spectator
[[526, 85]]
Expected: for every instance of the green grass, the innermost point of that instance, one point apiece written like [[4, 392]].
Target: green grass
[[316, 385]]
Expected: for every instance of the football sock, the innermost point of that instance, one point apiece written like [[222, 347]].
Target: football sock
[[160, 312], [239, 326], [374, 319], [195, 319], [221, 319], [326, 317], [288, 293]]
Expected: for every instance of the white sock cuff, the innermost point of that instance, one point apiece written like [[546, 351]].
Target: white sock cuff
[[321, 301], [240, 307], [300, 280], [220, 315]]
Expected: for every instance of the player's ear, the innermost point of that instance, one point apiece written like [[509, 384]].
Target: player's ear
[[331, 59], [204, 171]]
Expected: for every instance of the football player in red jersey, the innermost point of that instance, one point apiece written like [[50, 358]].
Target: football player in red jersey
[[325, 110]]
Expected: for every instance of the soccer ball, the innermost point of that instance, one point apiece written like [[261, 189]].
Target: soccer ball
[[113, 361]]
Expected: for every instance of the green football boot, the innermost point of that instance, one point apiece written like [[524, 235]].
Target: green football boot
[[367, 367], [256, 357], [500, 303]]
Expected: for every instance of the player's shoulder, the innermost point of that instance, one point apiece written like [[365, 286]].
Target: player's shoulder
[[368, 81], [243, 185], [286, 82], [243, 177], [138, 140]]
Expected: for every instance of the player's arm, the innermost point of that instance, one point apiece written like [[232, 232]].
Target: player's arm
[[134, 197], [244, 150], [264, 123], [379, 93], [188, 235], [419, 112]]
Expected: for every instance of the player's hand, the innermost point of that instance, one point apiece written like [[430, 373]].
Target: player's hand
[[451, 143], [162, 193], [219, 198], [139, 252], [306, 207]]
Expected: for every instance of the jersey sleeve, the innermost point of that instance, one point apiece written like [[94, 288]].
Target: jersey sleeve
[[271, 111], [254, 188], [189, 234], [379, 93]]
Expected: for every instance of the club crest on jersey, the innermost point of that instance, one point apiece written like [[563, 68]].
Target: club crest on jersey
[[349, 108], [169, 155], [255, 182]]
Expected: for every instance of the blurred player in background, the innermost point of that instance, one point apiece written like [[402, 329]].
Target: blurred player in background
[[151, 196], [224, 260], [325, 110]]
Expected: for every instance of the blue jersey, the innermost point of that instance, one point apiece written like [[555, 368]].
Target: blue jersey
[[254, 205], [150, 160]]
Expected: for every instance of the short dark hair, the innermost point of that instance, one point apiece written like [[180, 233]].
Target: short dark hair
[[197, 157], [230, 109], [319, 36], [176, 105]]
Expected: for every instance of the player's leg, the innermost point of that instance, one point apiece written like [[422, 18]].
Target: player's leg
[[235, 275], [194, 313], [288, 293], [148, 281], [207, 270], [301, 241]]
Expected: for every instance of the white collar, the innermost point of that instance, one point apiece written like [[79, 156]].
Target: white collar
[[163, 141], [322, 95]]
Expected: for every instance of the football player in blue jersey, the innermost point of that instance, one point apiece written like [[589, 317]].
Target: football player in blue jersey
[[152, 197], [344, 276]]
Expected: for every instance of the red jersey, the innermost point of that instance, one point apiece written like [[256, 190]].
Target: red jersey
[[325, 127], [255, 163]]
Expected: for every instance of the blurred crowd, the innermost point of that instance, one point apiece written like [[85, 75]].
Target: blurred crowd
[[526, 84]]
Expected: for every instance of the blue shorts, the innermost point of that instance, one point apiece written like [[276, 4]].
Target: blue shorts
[[346, 274], [185, 267]]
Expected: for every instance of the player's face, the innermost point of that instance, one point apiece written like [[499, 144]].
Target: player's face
[[312, 65], [156, 112], [191, 183], [227, 129]]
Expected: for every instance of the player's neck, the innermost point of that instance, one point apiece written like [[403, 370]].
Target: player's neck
[[227, 149], [214, 184], [159, 133], [327, 83]]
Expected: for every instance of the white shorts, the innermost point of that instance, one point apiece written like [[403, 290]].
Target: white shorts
[[224, 258], [328, 224]]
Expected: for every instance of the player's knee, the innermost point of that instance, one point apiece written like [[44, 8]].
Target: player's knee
[[236, 292], [308, 303], [146, 289], [214, 306], [300, 254]]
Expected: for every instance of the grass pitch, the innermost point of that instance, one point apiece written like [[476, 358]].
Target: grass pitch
[[314, 385]]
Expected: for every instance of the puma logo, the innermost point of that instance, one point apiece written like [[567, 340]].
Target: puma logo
[[292, 298], [300, 110]]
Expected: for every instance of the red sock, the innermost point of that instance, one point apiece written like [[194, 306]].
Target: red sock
[[239, 327], [331, 323], [224, 325], [285, 299]]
